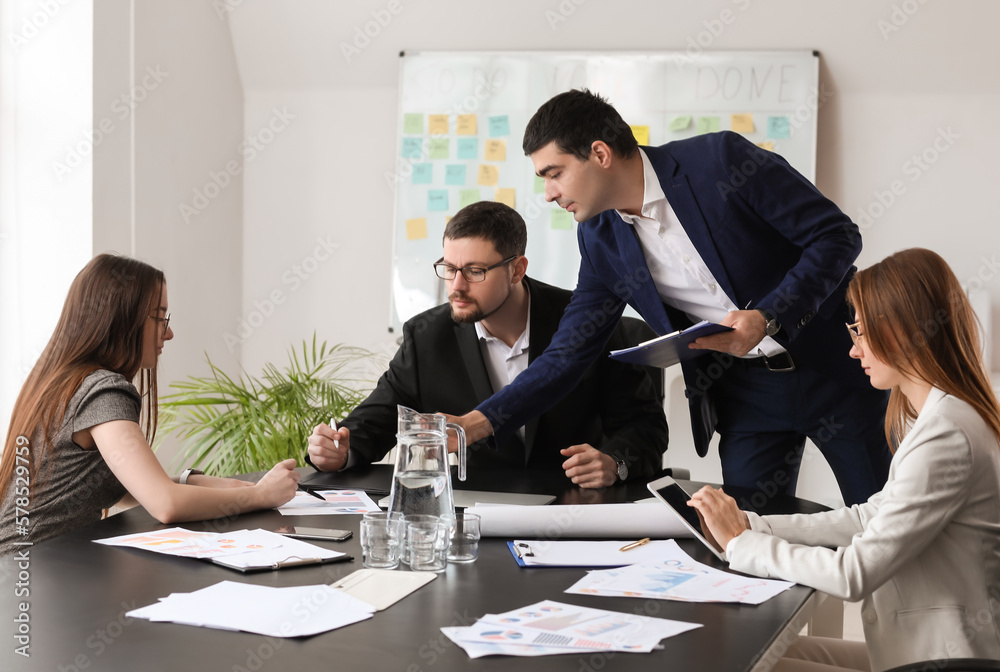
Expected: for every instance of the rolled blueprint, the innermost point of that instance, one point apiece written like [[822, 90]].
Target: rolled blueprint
[[608, 521]]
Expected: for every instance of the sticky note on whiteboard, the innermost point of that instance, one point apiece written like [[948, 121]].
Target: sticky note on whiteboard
[[468, 197], [466, 124], [468, 148], [437, 200], [778, 128], [561, 220], [413, 148], [641, 134], [539, 185], [438, 148], [742, 123], [416, 229], [496, 150], [708, 124], [437, 124], [488, 176], [423, 173], [680, 123], [499, 126], [413, 123], [505, 196], [768, 145], [454, 174]]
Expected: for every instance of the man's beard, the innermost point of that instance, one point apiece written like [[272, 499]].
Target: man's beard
[[476, 315]]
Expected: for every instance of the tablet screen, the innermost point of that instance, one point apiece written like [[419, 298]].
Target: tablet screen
[[677, 499]]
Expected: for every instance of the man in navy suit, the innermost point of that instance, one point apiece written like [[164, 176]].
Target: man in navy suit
[[714, 228]]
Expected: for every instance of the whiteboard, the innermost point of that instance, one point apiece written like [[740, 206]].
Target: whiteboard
[[462, 117]]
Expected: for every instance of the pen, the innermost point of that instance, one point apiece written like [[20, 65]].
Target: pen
[[634, 544], [319, 497], [333, 426]]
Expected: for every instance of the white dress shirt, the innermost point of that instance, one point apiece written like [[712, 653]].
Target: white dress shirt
[[503, 362], [681, 276]]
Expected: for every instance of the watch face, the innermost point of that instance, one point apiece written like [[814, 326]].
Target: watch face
[[622, 470]]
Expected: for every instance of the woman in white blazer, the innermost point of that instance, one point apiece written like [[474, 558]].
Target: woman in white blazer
[[924, 553]]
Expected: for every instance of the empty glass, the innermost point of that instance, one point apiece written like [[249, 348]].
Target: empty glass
[[465, 534], [381, 541], [428, 542]]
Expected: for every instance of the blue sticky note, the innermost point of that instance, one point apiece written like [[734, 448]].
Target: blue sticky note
[[468, 148], [454, 174], [423, 173], [437, 200], [778, 128], [499, 126], [413, 148]]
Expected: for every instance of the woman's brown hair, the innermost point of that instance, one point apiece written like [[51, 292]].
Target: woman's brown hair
[[916, 318], [101, 327]]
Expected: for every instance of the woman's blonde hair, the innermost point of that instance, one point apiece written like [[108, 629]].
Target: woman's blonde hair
[[916, 318]]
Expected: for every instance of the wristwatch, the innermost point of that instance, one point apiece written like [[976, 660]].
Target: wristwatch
[[188, 473], [771, 326], [622, 468]]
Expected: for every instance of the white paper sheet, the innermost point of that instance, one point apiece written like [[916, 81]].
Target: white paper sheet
[[382, 588], [337, 502], [581, 520], [679, 577], [265, 610], [548, 627], [239, 549]]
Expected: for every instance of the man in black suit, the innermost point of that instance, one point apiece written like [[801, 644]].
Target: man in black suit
[[610, 427]]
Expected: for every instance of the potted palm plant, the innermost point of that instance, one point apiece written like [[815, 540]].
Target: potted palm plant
[[248, 424]]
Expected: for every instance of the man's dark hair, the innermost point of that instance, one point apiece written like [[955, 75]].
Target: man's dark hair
[[574, 120], [498, 223]]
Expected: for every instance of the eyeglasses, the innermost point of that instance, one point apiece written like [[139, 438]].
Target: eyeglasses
[[164, 320], [470, 273], [855, 331]]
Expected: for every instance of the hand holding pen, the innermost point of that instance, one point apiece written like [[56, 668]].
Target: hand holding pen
[[329, 446]]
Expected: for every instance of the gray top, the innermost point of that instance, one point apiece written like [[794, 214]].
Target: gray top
[[71, 485]]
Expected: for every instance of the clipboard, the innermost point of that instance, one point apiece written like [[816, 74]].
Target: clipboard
[[665, 351]]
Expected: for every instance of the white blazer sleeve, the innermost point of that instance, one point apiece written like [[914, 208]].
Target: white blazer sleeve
[[927, 485]]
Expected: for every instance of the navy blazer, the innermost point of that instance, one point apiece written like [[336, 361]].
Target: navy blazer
[[769, 237], [440, 368]]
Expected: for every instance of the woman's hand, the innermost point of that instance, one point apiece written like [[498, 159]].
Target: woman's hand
[[721, 517], [278, 485]]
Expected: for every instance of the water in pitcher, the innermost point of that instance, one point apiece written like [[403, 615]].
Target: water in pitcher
[[422, 492]]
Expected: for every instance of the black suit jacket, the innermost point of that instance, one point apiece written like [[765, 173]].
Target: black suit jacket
[[440, 368]]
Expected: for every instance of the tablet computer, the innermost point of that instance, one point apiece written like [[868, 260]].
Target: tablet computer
[[667, 491]]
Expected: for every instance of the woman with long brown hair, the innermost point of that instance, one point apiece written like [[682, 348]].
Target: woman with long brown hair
[[924, 553], [80, 433]]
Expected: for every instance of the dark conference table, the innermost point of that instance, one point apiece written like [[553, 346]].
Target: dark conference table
[[80, 591]]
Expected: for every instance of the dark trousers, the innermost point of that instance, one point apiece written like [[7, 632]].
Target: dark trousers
[[765, 416]]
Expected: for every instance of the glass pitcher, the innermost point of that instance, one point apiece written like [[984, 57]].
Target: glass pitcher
[[421, 482]]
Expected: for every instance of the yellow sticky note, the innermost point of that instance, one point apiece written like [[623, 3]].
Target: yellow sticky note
[[505, 196], [742, 123], [641, 134], [416, 229], [496, 150], [488, 176], [466, 124], [768, 145], [437, 124]]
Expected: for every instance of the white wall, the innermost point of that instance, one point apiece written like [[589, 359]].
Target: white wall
[[176, 60], [45, 176], [896, 82]]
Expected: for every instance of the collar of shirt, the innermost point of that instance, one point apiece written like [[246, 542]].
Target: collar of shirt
[[653, 199], [520, 345]]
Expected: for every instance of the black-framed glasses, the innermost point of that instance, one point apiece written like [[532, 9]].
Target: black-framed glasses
[[855, 331], [164, 320], [471, 273]]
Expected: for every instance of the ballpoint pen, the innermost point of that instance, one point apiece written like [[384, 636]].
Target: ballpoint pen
[[333, 426], [634, 544], [319, 497]]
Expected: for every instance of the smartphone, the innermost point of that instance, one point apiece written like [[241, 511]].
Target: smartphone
[[322, 533]]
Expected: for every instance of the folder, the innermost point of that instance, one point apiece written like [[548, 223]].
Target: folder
[[382, 588], [665, 351]]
